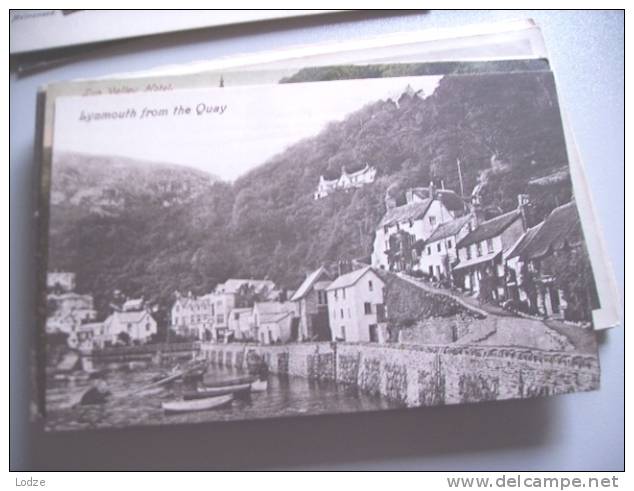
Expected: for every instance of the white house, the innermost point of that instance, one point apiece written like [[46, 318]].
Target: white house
[[440, 251], [345, 182], [275, 322], [62, 280], [241, 323], [225, 299], [139, 326], [480, 254], [356, 307], [191, 314], [403, 226], [67, 311]]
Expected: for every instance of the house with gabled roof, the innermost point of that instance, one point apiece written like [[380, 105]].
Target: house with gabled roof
[[312, 306], [403, 227], [356, 307], [140, 326], [275, 322], [439, 251], [226, 296], [559, 233], [480, 267]]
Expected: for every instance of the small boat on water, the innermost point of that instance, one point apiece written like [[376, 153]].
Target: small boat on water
[[229, 382], [197, 404], [202, 392]]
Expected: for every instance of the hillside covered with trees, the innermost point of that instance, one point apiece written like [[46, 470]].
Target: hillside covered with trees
[[152, 229]]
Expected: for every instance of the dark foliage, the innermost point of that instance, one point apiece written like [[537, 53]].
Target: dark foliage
[[152, 229]]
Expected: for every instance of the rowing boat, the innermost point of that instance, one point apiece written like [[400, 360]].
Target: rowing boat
[[228, 382], [203, 392], [196, 405]]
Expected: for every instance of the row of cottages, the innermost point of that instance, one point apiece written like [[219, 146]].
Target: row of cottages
[[350, 308], [193, 314], [404, 228], [531, 274], [346, 181], [127, 327], [480, 267], [216, 314], [67, 310]]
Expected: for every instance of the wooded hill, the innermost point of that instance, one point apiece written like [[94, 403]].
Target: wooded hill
[[152, 229]]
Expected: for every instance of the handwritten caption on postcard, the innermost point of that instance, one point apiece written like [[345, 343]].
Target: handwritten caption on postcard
[[200, 109]]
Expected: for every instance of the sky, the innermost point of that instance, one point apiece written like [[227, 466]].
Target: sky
[[227, 131]]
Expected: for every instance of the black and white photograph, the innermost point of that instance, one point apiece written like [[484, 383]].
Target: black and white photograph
[[316, 246]]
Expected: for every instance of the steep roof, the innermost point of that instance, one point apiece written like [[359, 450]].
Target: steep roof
[[308, 283], [519, 247], [233, 285], [491, 228], [274, 311], [349, 279], [562, 227], [448, 229], [410, 211], [448, 197]]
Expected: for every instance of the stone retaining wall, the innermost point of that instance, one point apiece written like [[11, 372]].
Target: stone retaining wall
[[422, 375]]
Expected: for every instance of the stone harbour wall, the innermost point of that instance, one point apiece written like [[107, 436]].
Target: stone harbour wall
[[421, 375]]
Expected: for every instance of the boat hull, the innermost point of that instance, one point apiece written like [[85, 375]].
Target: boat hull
[[197, 405]]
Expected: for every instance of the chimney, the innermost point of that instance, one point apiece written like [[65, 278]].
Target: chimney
[[389, 201], [522, 206], [432, 189], [478, 214], [409, 196]]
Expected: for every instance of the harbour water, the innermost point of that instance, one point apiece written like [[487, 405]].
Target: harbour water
[[285, 396]]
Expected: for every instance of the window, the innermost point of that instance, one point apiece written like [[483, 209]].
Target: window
[[129, 327], [343, 332], [490, 245], [147, 326], [411, 223], [349, 313], [438, 247], [429, 250], [342, 313], [432, 220], [321, 297], [449, 245], [370, 286], [343, 293], [335, 294], [385, 229], [479, 248], [468, 250], [367, 308], [236, 316]]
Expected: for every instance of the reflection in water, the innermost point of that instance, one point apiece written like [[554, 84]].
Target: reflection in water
[[285, 396]]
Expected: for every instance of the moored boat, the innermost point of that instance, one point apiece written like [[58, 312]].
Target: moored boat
[[228, 382], [203, 392], [259, 386], [186, 406]]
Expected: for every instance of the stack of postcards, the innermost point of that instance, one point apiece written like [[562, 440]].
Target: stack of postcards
[[396, 222]]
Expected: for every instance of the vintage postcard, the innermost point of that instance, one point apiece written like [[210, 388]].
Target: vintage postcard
[[248, 252]]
